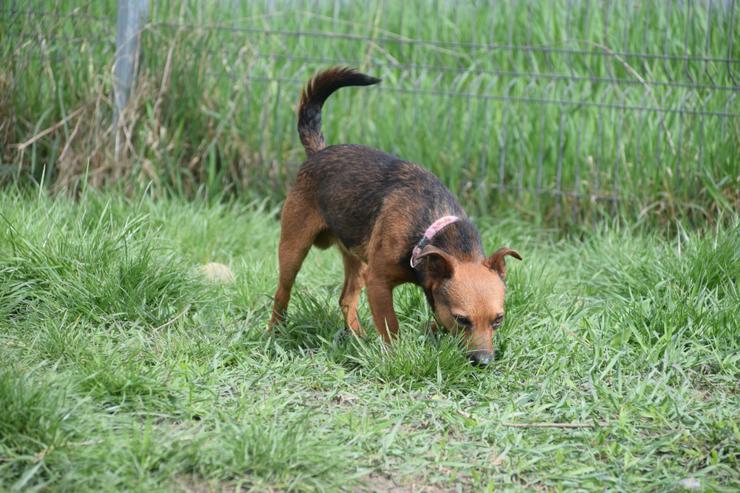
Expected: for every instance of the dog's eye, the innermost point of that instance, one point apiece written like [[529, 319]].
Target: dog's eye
[[497, 321], [463, 321]]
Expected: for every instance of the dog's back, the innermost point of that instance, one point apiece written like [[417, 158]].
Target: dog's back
[[352, 183]]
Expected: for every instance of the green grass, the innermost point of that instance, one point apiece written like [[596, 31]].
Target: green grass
[[214, 108], [122, 369]]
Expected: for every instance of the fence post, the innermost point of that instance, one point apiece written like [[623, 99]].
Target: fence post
[[131, 17]]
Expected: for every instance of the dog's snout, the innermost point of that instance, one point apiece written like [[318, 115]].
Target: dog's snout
[[481, 358]]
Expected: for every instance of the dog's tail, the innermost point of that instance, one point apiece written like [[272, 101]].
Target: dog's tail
[[318, 89]]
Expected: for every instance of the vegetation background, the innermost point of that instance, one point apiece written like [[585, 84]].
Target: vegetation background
[[564, 110], [600, 139]]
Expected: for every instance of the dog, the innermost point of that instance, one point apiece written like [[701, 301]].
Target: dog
[[394, 222]]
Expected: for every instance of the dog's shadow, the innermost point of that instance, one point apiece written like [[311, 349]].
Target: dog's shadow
[[315, 327], [313, 323], [314, 320]]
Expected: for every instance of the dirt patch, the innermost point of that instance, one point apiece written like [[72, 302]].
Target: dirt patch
[[190, 483], [195, 484], [383, 483]]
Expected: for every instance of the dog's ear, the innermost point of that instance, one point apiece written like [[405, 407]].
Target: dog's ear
[[440, 264], [497, 260]]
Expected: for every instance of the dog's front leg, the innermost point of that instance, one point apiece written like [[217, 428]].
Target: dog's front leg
[[380, 297]]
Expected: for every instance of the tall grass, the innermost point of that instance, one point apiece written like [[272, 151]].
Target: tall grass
[[535, 104]]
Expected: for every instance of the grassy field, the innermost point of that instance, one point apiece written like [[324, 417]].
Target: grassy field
[[629, 104], [122, 369]]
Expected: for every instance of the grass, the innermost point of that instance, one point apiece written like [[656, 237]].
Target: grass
[[123, 369], [214, 107]]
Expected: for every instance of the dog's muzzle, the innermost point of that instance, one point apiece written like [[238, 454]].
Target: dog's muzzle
[[480, 358]]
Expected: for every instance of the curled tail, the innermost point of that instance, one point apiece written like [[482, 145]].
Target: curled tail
[[318, 89]]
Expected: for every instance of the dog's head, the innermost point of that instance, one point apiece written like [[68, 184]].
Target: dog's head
[[468, 296]]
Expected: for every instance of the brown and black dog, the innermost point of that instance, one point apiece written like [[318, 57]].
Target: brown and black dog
[[394, 222]]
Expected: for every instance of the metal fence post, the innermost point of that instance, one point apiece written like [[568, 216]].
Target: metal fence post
[[131, 18]]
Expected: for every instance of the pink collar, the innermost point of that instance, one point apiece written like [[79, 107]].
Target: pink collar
[[432, 230]]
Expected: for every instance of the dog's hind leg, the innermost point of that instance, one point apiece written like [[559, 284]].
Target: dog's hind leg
[[300, 225], [354, 281]]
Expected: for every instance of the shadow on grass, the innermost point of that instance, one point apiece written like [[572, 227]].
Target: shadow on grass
[[418, 358]]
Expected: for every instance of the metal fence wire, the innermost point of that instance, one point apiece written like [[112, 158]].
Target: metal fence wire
[[568, 101]]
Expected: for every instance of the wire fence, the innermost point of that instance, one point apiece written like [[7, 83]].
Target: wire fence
[[563, 103]]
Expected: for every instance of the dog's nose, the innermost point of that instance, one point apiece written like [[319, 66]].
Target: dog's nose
[[480, 358]]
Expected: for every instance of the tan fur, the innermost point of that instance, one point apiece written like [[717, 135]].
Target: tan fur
[[300, 227], [477, 293]]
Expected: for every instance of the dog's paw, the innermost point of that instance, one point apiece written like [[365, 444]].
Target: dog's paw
[[345, 334], [342, 335]]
